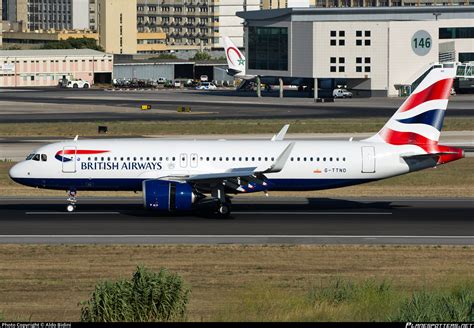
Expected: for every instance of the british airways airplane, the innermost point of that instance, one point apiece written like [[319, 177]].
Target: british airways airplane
[[176, 175]]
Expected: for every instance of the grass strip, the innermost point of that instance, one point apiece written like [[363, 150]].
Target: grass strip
[[242, 282], [209, 127]]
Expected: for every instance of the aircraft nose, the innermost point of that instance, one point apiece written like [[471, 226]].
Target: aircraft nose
[[17, 171]]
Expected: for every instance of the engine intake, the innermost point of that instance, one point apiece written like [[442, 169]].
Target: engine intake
[[167, 196]]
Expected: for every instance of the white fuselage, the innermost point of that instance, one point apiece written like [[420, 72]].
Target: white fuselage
[[123, 164]]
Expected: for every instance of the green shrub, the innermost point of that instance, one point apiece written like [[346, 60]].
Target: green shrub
[[201, 56], [147, 297], [437, 306]]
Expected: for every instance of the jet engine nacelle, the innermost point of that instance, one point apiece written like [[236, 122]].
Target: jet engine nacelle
[[167, 196]]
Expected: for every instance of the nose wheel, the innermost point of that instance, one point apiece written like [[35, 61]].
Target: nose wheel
[[71, 207]]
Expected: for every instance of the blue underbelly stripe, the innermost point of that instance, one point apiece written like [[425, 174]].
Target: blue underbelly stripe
[[136, 184]]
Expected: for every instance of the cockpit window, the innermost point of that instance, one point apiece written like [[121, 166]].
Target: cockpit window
[[30, 156], [36, 157], [44, 157]]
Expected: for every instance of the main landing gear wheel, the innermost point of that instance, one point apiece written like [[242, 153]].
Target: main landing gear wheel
[[223, 209]]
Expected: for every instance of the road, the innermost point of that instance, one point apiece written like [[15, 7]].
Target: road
[[254, 221], [43, 105]]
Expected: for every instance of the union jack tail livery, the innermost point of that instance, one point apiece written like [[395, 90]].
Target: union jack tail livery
[[419, 119]]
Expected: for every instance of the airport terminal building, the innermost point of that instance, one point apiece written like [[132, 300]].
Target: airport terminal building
[[374, 51]]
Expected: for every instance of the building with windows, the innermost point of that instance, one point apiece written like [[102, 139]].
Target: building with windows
[[280, 4], [194, 24], [373, 51], [117, 26], [35, 15], [19, 68]]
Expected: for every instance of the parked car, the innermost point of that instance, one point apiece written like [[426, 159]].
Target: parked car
[[161, 80], [78, 84], [204, 78], [206, 86], [341, 93]]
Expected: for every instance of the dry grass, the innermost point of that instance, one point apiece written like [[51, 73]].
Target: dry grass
[[135, 128], [451, 180], [47, 282]]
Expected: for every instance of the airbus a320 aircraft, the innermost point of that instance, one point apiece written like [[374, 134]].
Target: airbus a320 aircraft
[[175, 175]]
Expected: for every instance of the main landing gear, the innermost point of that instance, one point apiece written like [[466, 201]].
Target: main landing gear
[[223, 202], [71, 207]]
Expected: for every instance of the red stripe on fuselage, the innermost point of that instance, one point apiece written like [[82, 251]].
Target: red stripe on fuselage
[[439, 90], [81, 152]]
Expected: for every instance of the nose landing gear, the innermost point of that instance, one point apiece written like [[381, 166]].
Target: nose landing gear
[[71, 207]]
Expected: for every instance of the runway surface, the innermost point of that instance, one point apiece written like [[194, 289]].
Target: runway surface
[[43, 105], [254, 221]]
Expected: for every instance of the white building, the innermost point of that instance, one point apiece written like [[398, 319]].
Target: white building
[[371, 50], [229, 23]]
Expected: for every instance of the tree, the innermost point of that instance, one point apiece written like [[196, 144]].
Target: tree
[[201, 56], [74, 43]]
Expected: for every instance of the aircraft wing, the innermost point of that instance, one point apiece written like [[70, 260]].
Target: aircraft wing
[[236, 177]]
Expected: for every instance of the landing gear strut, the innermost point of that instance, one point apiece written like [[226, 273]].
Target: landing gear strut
[[223, 202], [71, 207]]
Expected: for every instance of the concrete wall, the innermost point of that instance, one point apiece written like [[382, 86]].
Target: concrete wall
[[404, 64], [118, 35], [144, 71], [229, 24], [303, 51], [80, 14]]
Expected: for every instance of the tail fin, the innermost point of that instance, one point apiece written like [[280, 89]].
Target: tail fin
[[235, 59], [419, 119]]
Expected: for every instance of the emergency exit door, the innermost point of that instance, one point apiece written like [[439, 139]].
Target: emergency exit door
[[368, 159]]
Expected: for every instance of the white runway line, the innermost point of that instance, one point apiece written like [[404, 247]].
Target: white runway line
[[237, 236], [312, 213], [72, 213]]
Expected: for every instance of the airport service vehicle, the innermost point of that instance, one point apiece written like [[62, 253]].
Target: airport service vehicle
[[206, 86], [77, 84], [177, 175], [204, 78], [161, 80], [341, 93]]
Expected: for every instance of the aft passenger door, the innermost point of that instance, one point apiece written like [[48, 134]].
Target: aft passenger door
[[368, 159], [69, 159]]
